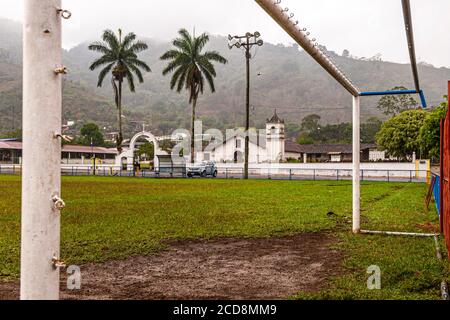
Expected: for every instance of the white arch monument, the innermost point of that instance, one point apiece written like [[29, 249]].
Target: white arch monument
[[129, 153]]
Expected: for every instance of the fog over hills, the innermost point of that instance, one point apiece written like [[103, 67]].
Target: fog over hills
[[283, 77]]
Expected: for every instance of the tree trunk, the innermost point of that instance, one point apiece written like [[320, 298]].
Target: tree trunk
[[194, 105], [119, 109]]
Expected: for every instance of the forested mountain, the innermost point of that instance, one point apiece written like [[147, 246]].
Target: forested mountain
[[283, 77]]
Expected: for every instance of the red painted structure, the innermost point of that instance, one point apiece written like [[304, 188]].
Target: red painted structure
[[445, 176]]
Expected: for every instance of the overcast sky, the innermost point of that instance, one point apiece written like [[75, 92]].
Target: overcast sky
[[365, 27]]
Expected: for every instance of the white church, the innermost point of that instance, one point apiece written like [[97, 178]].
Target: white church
[[266, 146]]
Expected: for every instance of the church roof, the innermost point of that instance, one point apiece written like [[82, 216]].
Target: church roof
[[275, 118], [293, 147], [259, 140]]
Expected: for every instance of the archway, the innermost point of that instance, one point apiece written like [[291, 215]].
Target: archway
[[150, 138]]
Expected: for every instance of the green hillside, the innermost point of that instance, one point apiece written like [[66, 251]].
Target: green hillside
[[283, 77]]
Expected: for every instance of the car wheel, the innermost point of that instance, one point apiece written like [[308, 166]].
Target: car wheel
[[204, 174], [189, 175], [215, 174]]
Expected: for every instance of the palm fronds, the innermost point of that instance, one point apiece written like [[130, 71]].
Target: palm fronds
[[119, 54], [190, 68], [189, 65], [119, 58]]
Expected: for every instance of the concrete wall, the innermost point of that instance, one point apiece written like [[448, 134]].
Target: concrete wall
[[370, 170], [394, 169], [87, 161]]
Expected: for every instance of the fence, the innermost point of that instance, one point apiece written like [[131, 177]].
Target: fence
[[10, 169], [327, 174], [254, 173]]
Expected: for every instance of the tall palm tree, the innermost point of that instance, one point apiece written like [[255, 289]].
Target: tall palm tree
[[119, 57], [191, 67]]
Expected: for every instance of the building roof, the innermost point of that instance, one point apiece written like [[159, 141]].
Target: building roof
[[88, 149], [15, 145], [10, 139], [275, 118], [293, 147]]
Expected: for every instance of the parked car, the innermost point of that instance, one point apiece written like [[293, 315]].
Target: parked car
[[204, 169]]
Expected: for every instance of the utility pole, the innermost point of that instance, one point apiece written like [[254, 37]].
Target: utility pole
[[41, 182], [93, 155], [246, 42], [13, 116]]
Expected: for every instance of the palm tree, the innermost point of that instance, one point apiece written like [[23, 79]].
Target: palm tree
[[119, 56], [191, 67]]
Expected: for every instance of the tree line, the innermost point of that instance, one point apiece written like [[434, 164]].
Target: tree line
[[413, 131], [312, 132], [410, 129]]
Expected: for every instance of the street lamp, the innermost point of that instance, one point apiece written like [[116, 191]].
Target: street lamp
[[246, 42]]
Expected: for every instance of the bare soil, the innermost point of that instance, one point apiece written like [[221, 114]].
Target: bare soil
[[230, 269]]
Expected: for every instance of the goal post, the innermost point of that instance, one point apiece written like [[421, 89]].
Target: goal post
[[290, 25], [356, 164], [41, 179]]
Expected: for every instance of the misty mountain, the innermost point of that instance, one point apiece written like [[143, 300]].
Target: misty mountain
[[283, 77]]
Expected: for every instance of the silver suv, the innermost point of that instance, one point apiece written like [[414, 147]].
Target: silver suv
[[203, 169]]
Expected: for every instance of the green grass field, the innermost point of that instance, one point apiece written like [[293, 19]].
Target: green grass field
[[109, 218]]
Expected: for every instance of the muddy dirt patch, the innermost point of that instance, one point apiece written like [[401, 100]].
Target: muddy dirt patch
[[268, 268]]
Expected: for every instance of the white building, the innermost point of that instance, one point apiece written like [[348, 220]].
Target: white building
[[265, 146], [271, 146]]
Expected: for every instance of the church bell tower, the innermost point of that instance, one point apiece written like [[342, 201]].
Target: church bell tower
[[275, 130]]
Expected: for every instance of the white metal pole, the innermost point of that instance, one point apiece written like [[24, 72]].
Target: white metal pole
[[356, 165], [41, 150], [291, 26], [401, 234]]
